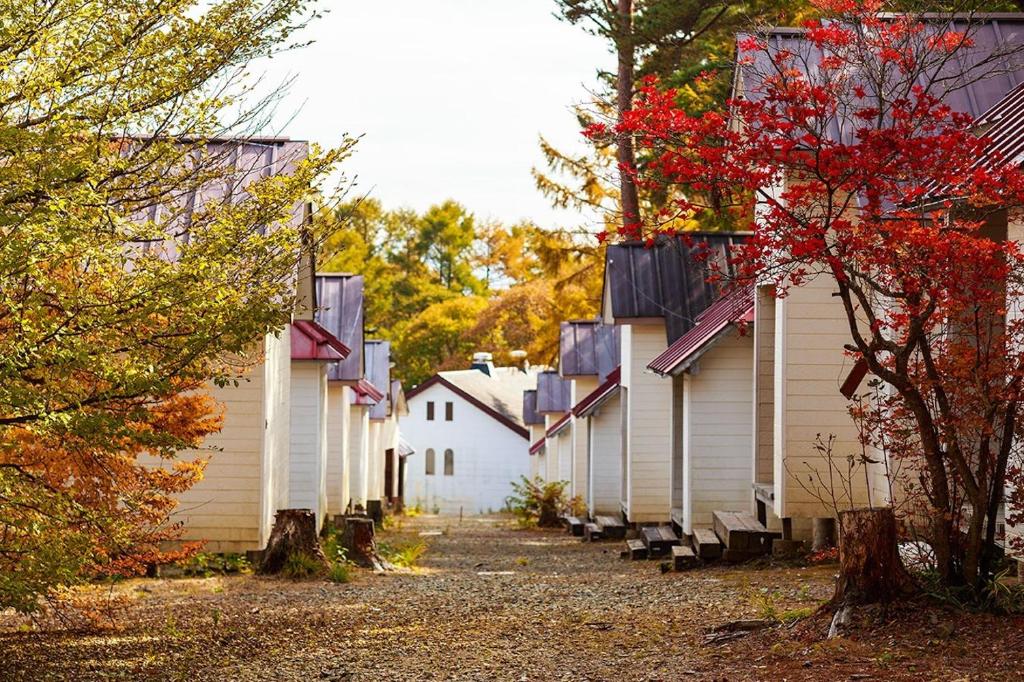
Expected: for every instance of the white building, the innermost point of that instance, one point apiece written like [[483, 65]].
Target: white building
[[470, 438]]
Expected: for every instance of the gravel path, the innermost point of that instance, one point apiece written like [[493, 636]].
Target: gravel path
[[486, 602]]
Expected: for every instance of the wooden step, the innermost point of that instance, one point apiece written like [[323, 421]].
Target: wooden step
[[635, 549], [659, 540], [742, 534], [611, 527], [683, 558], [574, 525], [592, 532], [706, 544]]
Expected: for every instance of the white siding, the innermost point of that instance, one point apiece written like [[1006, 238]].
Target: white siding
[[649, 425], [606, 459], [764, 359], [810, 367], [488, 456], [375, 459], [246, 480], [718, 429], [307, 474], [1014, 533], [338, 443], [359, 443], [536, 461], [581, 388]]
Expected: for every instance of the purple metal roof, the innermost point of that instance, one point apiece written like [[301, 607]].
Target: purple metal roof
[[735, 308], [971, 82], [244, 161], [588, 348], [340, 311], [310, 341], [666, 280], [530, 415], [378, 373], [553, 393]]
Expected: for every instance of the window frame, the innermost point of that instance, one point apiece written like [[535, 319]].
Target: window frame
[[429, 462], [449, 462]]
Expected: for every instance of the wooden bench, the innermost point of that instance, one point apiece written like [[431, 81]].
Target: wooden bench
[[659, 540], [574, 525], [764, 497], [706, 544], [635, 549], [611, 527], [592, 532], [744, 536], [683, 558]]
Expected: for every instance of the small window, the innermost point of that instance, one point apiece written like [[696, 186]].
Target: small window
[[429, 457], [430, 411], [449, 411], [449, 463]]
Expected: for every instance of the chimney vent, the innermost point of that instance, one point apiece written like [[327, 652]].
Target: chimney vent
[[483, 362]]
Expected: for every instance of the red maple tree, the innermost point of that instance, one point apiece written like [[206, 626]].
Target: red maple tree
[[847, 162]]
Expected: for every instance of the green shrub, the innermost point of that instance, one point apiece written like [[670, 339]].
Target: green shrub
[[340, 572], [536, 503], [403, 556], [300, 565], [205, 564]]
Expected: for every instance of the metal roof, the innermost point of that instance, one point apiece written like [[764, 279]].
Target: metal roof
[[340, 311], [588, 348], [668, 279], [530, 416], [599, 395], [378, 372], [539, 445], [971, 82], [733, 309], [553, 393], [310, 341], [365, 393], [559, 425]]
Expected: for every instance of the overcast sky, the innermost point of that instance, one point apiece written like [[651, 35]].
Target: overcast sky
[[450, 96]]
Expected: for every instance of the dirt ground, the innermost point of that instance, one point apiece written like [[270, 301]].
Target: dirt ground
[[490, 602]]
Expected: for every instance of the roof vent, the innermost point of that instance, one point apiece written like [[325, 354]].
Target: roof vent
[[483, 362]]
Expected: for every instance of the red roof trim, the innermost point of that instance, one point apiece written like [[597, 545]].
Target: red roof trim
[[596, 397], [364, 389], [310, 341], [560, 424], [733, 309], [476, 402], [538, 446]]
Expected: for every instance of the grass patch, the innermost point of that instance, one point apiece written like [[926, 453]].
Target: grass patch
[[340, 572], [300, 565], [403, 556]]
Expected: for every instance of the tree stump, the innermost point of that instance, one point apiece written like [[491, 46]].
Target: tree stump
[[870, 569], [360, 544], [294, 532]]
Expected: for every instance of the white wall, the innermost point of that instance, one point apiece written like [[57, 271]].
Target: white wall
[[488, 456], [338, 442], [375, 459], [579, 476], [605, 489], [718, 430], [307, 473], [536, 461], [649, 425], [359, 443]]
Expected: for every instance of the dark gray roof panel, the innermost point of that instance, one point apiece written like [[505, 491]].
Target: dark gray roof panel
[[340, 299], [588, 348], [553, 393], [668, 279], [530, 414], [378, 373]]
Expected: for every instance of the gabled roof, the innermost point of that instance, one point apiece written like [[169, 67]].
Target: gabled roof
[[553, 393], [396, 400], [588, 348], [599, 395], [666, 280], [310, 341], [378, 372], [340, 311], [365, 393], [499, 395], [733, 309], [530, 415]]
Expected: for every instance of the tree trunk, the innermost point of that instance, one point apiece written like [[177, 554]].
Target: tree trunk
[[294, 532], [870, 569], [361, 545], [624, 46]]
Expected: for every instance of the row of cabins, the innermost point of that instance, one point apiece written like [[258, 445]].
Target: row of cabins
[[677, 403], [314, 422]]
